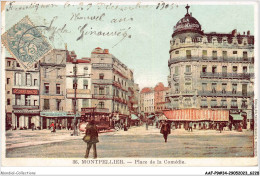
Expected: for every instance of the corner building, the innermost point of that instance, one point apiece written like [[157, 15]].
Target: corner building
[[213, 71]]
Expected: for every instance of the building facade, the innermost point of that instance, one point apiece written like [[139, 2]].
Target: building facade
[[147, 101], [78, 73], [53, 90], [160, 93], [211, 70], [111, 80], [22, 95]]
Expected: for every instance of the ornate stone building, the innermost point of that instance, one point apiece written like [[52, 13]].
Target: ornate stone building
[[211, 70]]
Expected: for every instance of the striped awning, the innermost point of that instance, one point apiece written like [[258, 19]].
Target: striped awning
[[197, 115]]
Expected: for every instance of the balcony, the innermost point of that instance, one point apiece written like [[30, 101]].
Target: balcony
[[186, 92], [244, 106], [79, 91], [225, 94], [53, 93], [102, 97], [204, 106], [25, 107], [223, 75], [102, 81], [211, 59], [234, 107]]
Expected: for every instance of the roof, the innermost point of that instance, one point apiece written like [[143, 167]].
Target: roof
[[146, 90], [10, 58]]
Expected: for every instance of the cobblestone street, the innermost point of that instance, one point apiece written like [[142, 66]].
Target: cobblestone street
[[136, 142]]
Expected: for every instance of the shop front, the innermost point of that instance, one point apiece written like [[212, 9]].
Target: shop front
[[26, 119], [61, 119]]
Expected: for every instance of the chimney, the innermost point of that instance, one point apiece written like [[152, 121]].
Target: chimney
[[234, 32], [66, 47], [191, 14], [248, 32], [106, 51]]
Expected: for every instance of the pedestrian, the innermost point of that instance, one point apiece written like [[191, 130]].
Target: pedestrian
[[165, 130], [204, 126], [53, 127], [92, 135], [190, 126], [146, 125], [32, 126], [230, 126], [221, 125]]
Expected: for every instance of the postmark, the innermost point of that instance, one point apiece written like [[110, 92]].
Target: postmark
[[25, 42]]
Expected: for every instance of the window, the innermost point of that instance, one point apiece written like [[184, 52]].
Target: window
[[85, 70], [176, 70], [107, 91], [245, 55], [7, 80], [28, 79], [244, 89], [35, 65], [101, 91], [58, 102], [17, 64], [204, 87], [188, 54], [57, 88], [214, 55], [46, 88], [35, 82], [204, 103], [85, 84], [234, 88], [101, 105], [234, 69], [35, 102], [95, 90], [18, 79], [224, 86], [214, 69], [244, 104], [114, 78], [176, 52], [8, 101], [27, 100], [45, 72], [224, 55], [8, 92], [8, 63], [101, 75], [58, 73], [214, 87], [224, 70], [17, 99], [204, 54], [46, 104], [176, 87], [245, 69], [85, 103], [213, 103], [204, 68], [224, 103], [234, 104], [234, 52], [188, 68]]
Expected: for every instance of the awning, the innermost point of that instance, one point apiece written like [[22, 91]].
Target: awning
[[197, 115], [150, 116], [163, 117], [237, 117], [134, 117]]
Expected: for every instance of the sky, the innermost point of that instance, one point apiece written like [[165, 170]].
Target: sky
[[145, 49]]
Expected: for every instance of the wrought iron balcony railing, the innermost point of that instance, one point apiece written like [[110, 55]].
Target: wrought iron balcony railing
[[226, 75]]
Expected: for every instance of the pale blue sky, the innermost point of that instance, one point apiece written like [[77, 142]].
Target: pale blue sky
[[147, 52]]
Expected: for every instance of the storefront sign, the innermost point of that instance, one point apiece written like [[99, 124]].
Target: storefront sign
[[102, 65], [58, 114], [26, 91]]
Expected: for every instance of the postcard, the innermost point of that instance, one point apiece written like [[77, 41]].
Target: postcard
[[130, 84]]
